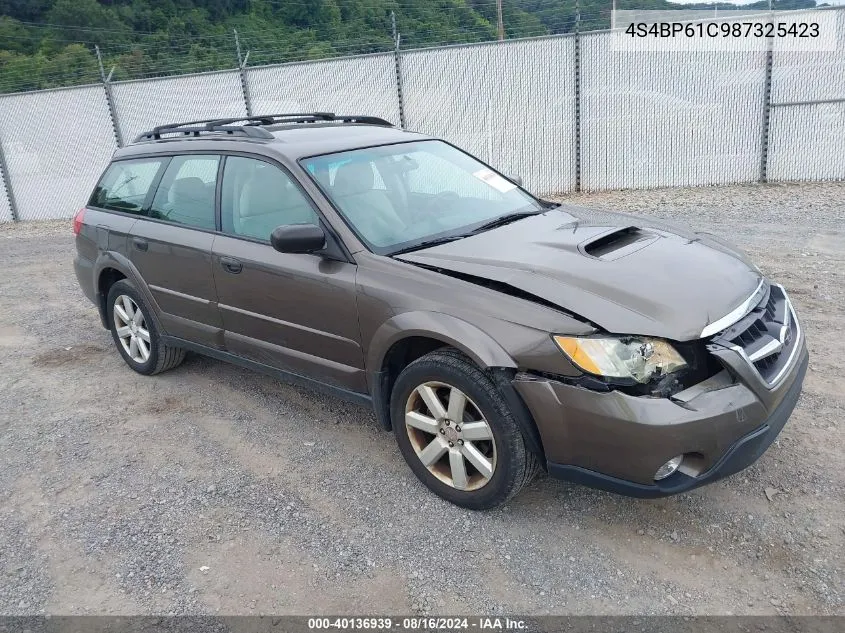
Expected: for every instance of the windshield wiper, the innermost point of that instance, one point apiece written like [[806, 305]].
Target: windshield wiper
[[505, 219], [501, 220], [428, 243]]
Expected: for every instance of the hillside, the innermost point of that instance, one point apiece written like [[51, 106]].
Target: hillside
[[47, 43]]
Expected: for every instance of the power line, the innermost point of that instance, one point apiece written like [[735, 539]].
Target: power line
[[170, 41], [148, 54]]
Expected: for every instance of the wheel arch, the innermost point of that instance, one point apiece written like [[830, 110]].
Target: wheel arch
[[407, 336], [107, 278], [436, 326], [110, 268], [399, 355]]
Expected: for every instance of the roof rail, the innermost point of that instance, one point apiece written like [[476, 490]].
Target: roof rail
[[306, 117], [252, 125]]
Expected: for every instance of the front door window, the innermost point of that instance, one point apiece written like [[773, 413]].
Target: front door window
[[258, 197]]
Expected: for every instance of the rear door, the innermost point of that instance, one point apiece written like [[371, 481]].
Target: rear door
[[295, 312], [171, 247]]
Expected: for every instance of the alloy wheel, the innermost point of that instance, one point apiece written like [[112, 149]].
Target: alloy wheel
[[450, 435], [131, 327]]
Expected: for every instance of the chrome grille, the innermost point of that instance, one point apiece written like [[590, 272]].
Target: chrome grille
[[767, 336]]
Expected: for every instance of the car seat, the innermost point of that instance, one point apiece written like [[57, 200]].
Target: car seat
[[368, 209]]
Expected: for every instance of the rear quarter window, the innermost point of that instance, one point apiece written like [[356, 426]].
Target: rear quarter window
[[125, 185]]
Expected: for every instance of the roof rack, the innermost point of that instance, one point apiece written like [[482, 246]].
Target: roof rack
[[252, 126]]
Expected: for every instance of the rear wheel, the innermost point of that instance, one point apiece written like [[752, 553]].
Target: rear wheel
[[457, 433], [136, 334]]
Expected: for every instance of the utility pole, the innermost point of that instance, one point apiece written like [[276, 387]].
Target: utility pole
[[500, 22]]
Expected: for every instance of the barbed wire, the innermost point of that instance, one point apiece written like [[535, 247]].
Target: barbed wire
[[148, 54]]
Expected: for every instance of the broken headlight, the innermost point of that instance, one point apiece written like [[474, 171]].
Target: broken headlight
[[632, 357]]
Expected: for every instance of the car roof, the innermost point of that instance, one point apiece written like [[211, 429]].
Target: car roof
[[304, 141], [293, 141]]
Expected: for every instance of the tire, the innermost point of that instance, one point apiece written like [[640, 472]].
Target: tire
[[147, 355], [512, 464]]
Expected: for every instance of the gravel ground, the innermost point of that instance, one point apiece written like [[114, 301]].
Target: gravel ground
[[210, 489]]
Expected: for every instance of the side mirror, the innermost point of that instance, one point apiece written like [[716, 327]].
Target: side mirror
[[517, 180], [298, 238]]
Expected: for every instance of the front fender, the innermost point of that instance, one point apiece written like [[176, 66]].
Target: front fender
[[472, 341]]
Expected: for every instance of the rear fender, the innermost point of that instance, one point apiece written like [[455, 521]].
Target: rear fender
[[120, 263]]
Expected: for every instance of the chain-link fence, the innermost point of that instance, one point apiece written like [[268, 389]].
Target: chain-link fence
[[654, 119], [364, 84], [55, 144], [807, 135], [141, 105], [510, 104], [563, 112]]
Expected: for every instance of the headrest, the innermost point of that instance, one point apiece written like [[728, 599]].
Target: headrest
[[353, 178], [266, 192], [186, 190]]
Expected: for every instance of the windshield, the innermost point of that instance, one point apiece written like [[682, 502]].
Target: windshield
[[399, 196]]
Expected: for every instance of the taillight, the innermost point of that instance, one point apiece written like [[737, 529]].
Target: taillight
[[77, 221]]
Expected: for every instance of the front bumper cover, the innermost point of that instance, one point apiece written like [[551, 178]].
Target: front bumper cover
[[742, 453], [616, 442]]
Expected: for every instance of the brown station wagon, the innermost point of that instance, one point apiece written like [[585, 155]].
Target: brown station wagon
[[496, 333]]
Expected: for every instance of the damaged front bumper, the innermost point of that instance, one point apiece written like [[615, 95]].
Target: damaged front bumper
[[616, 442]]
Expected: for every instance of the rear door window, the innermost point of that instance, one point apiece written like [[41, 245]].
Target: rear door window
[[187, 191], [125, 185]]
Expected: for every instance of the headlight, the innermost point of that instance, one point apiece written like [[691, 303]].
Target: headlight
[[632, 357]]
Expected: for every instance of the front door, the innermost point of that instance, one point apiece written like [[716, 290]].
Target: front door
[[294, 312]]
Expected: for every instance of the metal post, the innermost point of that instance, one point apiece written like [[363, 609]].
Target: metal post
[[577, 96], [396, 63], [7, 181], [242, 69], [500, 23], [118, 135], [767, 111]]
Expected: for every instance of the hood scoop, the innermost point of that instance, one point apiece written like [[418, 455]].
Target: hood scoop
[[617, 243]]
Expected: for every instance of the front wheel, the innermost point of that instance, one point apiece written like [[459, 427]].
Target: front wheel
[[457, 433]]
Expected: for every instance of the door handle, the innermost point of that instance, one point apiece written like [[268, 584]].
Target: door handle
[[231, 265], [140, 244]]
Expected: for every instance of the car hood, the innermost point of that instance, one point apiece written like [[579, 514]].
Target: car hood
[[626, 274]]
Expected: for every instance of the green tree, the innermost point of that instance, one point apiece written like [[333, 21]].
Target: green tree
[[44, 43]]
